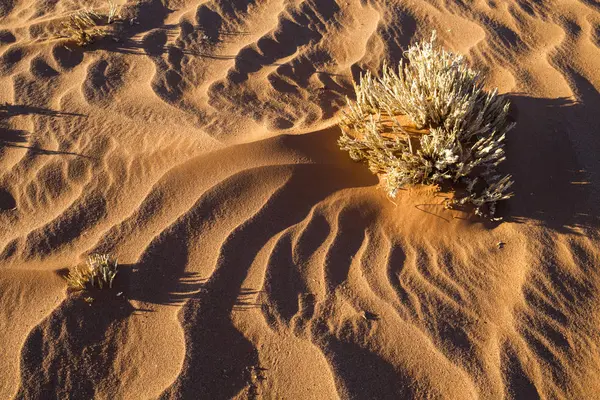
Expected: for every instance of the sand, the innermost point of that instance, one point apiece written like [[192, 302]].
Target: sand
[[257, 260]]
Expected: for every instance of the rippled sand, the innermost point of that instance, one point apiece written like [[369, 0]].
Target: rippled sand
[[258, 261]]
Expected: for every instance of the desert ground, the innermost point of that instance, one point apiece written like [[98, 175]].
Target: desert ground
[[196, 143]]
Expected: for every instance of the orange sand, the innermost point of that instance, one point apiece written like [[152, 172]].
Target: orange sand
[[259, 261]]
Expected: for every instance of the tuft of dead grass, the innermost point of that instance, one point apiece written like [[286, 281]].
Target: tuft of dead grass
[[99, 271], [81, 27], [85, 26]]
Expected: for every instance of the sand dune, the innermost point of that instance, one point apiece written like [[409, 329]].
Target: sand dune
[[259, 261]]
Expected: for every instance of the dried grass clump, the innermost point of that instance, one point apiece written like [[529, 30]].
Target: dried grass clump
[[465, 128], [99, 271], [81, 27], [85, 26]]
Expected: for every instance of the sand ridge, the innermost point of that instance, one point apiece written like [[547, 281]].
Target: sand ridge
[[259, 261]]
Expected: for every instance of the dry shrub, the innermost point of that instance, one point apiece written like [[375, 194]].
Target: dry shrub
[[465, 128], [99, 271]]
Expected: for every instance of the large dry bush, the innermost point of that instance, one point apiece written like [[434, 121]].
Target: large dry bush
[[463, 128]]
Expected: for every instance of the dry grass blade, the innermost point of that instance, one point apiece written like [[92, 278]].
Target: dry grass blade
[[113, 12]]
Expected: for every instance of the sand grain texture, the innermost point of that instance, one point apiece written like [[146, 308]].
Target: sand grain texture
[[259, 261]]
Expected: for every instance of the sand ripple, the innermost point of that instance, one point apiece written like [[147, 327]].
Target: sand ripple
[[257, 260]]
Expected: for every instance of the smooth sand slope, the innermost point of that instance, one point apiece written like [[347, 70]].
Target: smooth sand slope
[[259, 261]]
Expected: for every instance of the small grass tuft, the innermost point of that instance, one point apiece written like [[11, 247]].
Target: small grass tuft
[[86, 26], [82, 27], [99, 271]]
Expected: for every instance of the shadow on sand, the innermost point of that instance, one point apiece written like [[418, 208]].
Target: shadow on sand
[[219, 361], [549, 156], [19, 138], [552, 155]]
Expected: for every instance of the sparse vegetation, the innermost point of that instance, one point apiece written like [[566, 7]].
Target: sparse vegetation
[[463, 128], [99, 271], [85, 26], [113, 12], [81, 28]]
